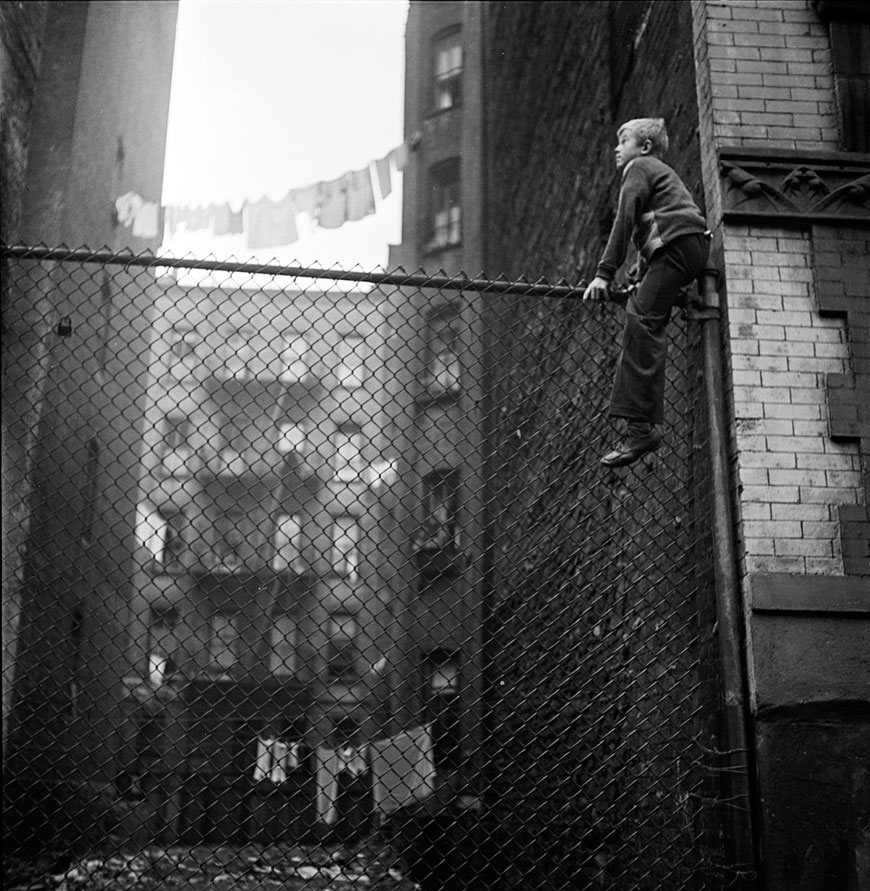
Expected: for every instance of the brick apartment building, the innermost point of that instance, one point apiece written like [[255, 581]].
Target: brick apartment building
[[79, 132], [263, 604], [767, 107]]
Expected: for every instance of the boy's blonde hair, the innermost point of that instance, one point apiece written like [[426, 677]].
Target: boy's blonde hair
[[643, 129]]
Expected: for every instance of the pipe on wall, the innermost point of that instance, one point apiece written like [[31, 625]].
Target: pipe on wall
[[735, 765]]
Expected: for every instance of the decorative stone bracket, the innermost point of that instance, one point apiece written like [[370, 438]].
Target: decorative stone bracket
[[795, 188]]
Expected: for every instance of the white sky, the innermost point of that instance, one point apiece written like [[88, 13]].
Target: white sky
[[270, 95]]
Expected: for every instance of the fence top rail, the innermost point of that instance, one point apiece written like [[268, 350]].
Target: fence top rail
[[419, 279]]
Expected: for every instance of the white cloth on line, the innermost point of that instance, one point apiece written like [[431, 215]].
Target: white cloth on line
[[403, 769]]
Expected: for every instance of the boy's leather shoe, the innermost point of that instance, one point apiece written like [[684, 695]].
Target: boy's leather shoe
[[633, 447]]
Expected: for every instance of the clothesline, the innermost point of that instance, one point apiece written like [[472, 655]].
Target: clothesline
[[401, 769], [267, 223]]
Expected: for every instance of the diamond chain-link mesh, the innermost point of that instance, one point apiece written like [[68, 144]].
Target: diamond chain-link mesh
[[317, 579]]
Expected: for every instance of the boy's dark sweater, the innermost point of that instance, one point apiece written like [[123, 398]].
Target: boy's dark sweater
[[655, 207]]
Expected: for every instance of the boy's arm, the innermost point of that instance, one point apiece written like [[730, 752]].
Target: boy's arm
[[633, 195]]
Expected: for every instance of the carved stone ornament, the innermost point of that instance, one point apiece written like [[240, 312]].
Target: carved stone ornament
[[772, 186]]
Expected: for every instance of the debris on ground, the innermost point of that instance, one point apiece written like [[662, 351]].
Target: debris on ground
[[217, 868]]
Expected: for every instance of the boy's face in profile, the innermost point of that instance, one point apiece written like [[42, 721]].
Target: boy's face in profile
[[628, 148]]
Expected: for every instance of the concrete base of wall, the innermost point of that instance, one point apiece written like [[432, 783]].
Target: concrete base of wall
[[814, 777], [810, 677]]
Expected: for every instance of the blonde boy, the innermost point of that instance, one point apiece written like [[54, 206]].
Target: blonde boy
[[657, 213]]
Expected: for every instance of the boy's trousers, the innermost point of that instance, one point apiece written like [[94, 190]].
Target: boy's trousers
[[639, 385]]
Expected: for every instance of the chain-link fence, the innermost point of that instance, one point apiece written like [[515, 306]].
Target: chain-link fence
[[314, 576]]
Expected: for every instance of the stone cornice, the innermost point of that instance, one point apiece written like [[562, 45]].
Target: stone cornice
[[782, 187]]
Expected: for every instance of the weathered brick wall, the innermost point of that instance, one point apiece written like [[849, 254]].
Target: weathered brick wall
[[770, 67], [21, 29], [765, 82], [791, 476], [596, 588], [795, 287], [552, 183], [70, 397]]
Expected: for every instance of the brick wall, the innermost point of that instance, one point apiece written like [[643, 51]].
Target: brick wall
[[71, 395], [569, 541], [795, 284], [791, 476], [765, 84], [770, 68], [21, 29], [552, 120]]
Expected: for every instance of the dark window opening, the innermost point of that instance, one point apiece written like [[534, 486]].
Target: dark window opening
[[447, 74], [237, 354], [345, 557], [228, 552], [176, 433], [285, 643], [348, 456], [345, 732], [445, 211], [174, 543], [161, 644], [288, 544], [849, 29], [440, 507], [441, 705], [341, 650], [225, 643], [443, 368]]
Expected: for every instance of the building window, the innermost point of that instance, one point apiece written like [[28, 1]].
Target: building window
[[292, 438], [441, 706], [445, 216], [151, 531], [285, 641], [239, 436], [163, 537], [295, 356], [182, 340], [442, 359], [345, 547], [440, 506], [346, 732], [448, 71], [224, 648], [341, 650], [849, 31], [174, 450], [176, 433], [350, 368], [348, 455], [237, 354], [228, 551], [288, 544], [161, 644]]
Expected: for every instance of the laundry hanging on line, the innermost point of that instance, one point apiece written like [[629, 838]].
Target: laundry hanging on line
[[134, 212], [267, 223], [403, 769], [275, 760], [331, 764]]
